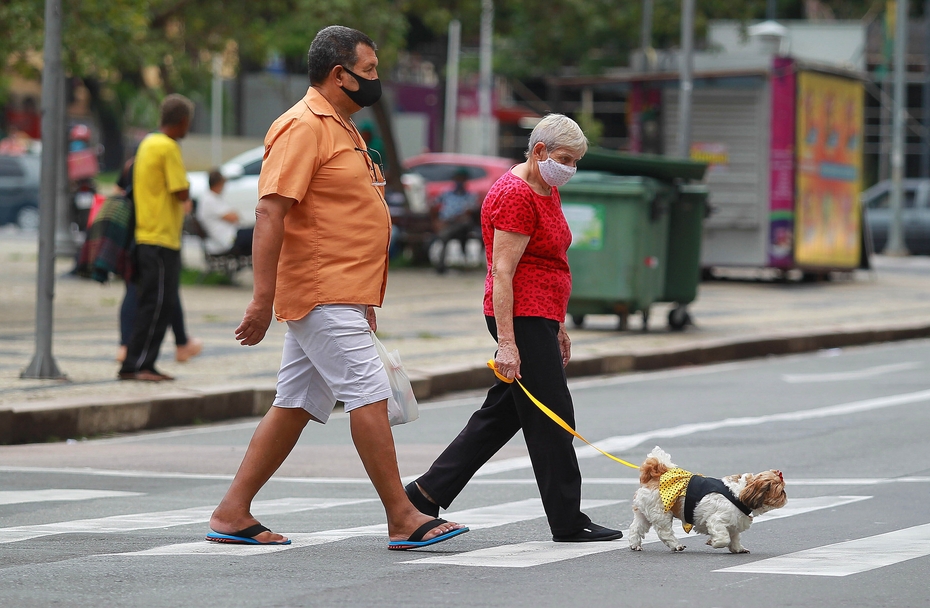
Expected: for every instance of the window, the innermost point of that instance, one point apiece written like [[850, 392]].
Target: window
[[9, 167], [436, 172], [253, 168]]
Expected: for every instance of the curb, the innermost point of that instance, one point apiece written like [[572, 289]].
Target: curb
[[42, 421]]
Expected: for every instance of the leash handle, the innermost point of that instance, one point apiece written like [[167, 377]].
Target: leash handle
[[555, 417]]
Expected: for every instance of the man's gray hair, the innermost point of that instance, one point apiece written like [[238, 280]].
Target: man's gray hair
[[558, 131], [332, 46]]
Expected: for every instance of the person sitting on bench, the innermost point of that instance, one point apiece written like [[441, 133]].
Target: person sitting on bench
[[221, 222]]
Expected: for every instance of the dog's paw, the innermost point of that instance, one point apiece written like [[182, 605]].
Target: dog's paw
[[639, 548], [679, 549], [740, 550]]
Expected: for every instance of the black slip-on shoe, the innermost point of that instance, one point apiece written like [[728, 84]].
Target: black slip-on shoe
[[422, 503], [590, 533]]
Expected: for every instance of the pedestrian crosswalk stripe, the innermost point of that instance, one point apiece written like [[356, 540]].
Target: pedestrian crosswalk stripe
[[476, 519], [525, 555], [623, 443], [835, 481], [795, 506], [850, 557], [16, 497], [166, 519]]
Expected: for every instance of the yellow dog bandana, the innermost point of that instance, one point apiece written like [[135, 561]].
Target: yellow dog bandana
[[672, 484]]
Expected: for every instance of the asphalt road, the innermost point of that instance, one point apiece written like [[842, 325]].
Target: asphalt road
[[120, 521]]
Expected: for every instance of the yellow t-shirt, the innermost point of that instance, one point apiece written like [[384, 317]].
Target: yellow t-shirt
[[158, 173]]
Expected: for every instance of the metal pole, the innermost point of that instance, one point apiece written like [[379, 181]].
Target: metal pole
[[484, 85], [896, 244], [43, 364], [771, 9], [646, 35], [452, 86], [925, 97], [685, 81], [216, 112], [65, 245]]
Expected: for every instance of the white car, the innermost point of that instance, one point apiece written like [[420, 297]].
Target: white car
[[241, 191]]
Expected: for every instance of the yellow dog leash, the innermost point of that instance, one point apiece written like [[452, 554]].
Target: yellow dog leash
[[555, 417]]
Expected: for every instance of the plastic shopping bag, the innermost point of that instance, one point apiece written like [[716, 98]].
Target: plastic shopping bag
[[402, 404]]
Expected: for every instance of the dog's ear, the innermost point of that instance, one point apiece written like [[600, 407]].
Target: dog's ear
[[766, 488]]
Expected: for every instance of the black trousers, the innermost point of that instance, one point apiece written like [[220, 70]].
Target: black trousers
[[158, 273], [505, 411]]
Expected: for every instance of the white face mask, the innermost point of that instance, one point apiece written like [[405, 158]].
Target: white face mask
[[554, 173]]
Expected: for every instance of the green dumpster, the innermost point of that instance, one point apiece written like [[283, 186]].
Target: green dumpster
[[683, 257], [619, 243], [637, 226]]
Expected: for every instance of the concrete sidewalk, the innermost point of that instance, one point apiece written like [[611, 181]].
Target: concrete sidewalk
[[434, 321]]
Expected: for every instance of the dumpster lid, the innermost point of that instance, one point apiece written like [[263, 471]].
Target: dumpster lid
[[648, 165]]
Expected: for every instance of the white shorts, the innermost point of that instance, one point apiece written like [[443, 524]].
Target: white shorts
[[329, 356]]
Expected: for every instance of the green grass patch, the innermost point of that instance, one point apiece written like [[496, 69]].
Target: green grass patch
[[191, 276]]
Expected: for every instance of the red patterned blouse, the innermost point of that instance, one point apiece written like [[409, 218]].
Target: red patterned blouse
[[542, 281]]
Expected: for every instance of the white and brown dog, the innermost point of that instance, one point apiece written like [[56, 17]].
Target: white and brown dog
[[722, 508]]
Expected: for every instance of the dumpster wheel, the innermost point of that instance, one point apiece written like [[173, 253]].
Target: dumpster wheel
[[678, 318]]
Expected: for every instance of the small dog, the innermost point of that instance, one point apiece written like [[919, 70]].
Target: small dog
[[722, 508]]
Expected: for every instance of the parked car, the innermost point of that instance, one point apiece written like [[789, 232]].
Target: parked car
[[19, 190], [437, 169], [241, 191], [915, 214]]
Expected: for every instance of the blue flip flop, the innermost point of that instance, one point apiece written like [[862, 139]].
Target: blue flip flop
[[243, 537], [416, 539]]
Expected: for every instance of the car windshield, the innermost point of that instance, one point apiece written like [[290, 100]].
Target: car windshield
[[436, 172]]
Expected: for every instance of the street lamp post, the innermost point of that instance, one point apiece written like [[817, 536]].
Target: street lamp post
[[685, 81], [895, 244], [53, 138]]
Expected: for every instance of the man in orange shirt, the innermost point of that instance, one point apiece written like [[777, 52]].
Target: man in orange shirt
[[320, 254]]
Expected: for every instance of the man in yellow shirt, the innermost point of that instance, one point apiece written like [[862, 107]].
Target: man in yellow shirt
[[160, 191]]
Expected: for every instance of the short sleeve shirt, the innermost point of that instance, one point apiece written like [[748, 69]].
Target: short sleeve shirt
[[220, 234], [542, 282], [336, 235], [158, 173]]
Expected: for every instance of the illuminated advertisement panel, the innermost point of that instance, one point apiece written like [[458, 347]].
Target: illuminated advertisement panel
[[829, 171]]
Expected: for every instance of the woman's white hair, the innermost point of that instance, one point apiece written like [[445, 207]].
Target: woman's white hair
[[558, 131]]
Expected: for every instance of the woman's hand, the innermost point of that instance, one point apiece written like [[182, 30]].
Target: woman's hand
[[565, 345], [507, 360]]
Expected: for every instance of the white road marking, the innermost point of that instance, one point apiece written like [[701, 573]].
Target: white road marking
[[525, 555], [166, 519], [622, 443], [16, 497], [837, 481], [850, 557], [161, 475], [522, 555], [476, 519], [870, 372], [631, 481]]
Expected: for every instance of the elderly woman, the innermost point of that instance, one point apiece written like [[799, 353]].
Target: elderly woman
[[525, 300]]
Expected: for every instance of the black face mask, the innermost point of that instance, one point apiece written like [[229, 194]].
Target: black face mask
[[369, 91]]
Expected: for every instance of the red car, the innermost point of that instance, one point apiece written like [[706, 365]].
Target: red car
[[437, 169]]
